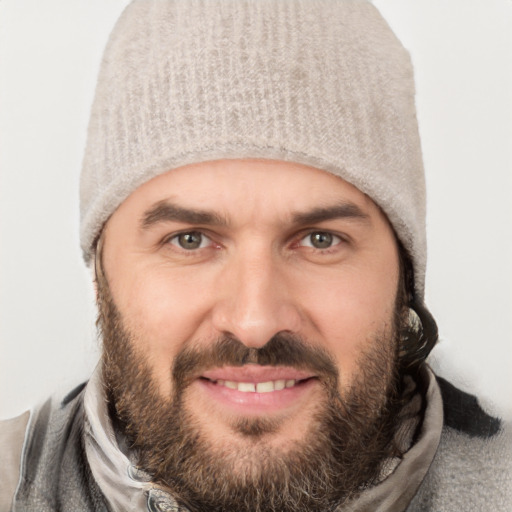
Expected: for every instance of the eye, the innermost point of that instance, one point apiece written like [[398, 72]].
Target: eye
[[320, 240], [190, 240]]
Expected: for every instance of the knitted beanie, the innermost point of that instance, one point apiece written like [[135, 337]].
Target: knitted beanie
[[323, 83]]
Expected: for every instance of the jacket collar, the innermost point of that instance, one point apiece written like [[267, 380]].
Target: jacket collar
[[127, 488]]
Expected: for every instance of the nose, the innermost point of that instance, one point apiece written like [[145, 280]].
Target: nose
[[255, 301]]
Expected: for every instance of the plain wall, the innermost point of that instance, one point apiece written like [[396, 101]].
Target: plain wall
[[49, 57]]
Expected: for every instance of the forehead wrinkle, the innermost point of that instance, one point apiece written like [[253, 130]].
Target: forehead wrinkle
[[165, 211]]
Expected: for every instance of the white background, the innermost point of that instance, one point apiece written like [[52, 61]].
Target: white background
[[49, 56]]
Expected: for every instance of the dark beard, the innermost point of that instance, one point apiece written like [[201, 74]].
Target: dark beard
[[349, 437]]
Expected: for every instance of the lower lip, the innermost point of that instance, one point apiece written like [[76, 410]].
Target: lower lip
[[258, 403]]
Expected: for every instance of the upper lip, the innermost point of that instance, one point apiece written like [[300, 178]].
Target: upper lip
[[255, 373]]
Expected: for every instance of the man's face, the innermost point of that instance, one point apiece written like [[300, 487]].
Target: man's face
[[210, 265]]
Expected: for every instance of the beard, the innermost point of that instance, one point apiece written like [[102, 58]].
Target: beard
[[348, 439]]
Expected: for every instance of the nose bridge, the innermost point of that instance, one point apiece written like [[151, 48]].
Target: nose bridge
[[255, 303]]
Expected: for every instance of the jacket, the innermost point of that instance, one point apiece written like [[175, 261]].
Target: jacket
[[61, 465]]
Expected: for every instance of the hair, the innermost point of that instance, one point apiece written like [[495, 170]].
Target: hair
[[419, 333]]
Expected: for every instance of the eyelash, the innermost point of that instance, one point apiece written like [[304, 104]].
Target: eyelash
[[175, 237], [336, 241], [297, 243]]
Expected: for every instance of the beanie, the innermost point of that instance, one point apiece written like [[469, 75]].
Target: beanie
[[323, 83]]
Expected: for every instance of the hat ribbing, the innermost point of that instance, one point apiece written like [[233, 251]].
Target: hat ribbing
[[323, 83]]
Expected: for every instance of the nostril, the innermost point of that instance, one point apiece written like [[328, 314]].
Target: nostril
[[254, 322]]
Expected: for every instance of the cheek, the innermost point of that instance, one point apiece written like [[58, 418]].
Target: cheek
[[162, 306], [355, 310], [163, 311]]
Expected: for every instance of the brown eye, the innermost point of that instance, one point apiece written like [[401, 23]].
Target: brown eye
[[190, 241]]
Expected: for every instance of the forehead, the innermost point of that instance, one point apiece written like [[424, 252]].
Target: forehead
[[258, 188]]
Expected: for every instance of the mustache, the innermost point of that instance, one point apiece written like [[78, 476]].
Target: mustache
[[281, 350]]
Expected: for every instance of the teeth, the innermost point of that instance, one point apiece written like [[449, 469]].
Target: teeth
[[279, 384], [260, 387], [264, 387], [246, 387]]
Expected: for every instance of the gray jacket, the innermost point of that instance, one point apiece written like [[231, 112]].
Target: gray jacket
[[46, 464]]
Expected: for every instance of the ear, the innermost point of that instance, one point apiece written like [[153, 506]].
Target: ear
[[97, 263], [94, 279]]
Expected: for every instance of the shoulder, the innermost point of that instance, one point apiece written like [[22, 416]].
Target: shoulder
[[54, 429], [463, 413], [30, 441], [472, 469], [12, 437]]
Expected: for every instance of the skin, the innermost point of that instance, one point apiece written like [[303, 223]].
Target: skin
[[255, 273]]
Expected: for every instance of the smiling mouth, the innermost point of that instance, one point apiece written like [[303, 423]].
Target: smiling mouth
[[259, 387]]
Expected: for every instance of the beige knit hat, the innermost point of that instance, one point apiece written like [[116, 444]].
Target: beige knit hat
[[318, 82]]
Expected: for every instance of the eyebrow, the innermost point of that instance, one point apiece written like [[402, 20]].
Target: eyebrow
[[165, 211], [339, 211]]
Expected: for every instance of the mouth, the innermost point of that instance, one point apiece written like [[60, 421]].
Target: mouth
[[257, 390], [259, 387]]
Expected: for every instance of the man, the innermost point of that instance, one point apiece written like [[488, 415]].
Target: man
[[253, 206]]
